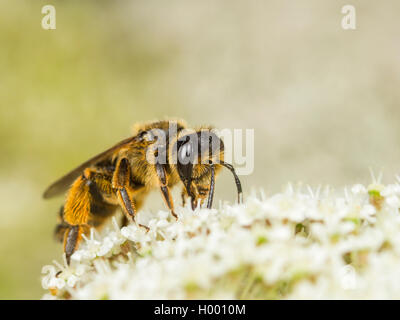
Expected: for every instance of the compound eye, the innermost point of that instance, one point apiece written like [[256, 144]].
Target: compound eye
[[185, 153]]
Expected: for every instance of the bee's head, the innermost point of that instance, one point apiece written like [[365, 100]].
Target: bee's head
[[195, 149]]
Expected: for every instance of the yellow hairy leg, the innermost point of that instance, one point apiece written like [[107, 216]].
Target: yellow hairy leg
[[77, 206], [76, 213]]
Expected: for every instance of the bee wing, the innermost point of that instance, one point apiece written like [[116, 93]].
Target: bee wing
[[62, 184]]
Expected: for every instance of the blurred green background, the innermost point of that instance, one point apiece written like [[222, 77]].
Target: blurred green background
[[323, 101]]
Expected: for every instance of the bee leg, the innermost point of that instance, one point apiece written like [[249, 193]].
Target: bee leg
[[76, 213], [72, 237], [183, 195], [212, 186], [162, 177], [120, 182], [168, 200], [193, 196]]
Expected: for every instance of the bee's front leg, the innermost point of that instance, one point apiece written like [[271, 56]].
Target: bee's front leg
[[183, 196], [212, 186], [162, 177]]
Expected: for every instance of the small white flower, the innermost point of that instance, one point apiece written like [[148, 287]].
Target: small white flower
[[390, 190], [348, 277], [368, 213], [359, 189], [297, 244], [393, 201]]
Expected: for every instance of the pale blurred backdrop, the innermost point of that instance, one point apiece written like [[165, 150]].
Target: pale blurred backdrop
[[324, 102]]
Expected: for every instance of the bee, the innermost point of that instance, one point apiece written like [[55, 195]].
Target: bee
[[159, 155]]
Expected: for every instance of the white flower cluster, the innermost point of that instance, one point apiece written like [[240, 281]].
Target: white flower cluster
[[298, 244]]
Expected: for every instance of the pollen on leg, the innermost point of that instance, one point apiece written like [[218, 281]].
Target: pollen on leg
[[77, 206]]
